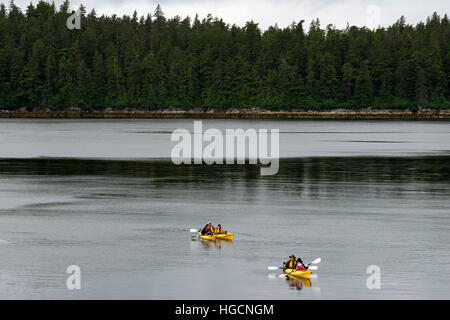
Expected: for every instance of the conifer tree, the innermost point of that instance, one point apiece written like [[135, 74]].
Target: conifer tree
[[153, 61]]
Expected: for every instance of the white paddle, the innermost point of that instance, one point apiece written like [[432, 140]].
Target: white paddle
[[194, 230], [273, 268]]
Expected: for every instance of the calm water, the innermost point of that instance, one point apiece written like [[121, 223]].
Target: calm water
[[99, 194]]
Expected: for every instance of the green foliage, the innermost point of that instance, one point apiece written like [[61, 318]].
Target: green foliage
[[154, 62]]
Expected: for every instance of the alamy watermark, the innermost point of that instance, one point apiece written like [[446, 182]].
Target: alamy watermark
[[229, 148], [374, 280], [374, 16], [74, 280], [74, 20]]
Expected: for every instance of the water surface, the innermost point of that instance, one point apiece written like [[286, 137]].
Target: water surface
[[99, 194]]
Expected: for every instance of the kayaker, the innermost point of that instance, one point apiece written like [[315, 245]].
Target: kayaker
[[291, 264], [300, 266], [208, 229], [219, 230]]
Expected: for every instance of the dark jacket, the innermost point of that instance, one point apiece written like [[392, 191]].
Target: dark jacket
[[207, 229], [300, 260]]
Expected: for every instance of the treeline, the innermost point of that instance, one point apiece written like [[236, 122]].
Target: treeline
[[154, 62]]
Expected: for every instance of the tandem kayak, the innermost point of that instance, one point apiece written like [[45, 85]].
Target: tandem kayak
[[298, 274], [223, 236], [207, 237]]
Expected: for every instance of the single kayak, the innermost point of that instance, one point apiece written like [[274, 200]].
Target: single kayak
[[298, 274], [225, 236], [207, 237]]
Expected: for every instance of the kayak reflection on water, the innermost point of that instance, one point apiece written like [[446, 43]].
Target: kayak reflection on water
[[299, 283], [197, 242], [217, 245]]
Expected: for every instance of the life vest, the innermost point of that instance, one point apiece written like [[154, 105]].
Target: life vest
[[291, 264], [218, 231]]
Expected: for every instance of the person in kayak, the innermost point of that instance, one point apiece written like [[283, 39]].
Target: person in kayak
[[300, 266], [208, 229], [219, 230], [291, 264]]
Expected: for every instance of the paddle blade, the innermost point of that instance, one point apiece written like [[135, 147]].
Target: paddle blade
[[316, 261], [282, 275], [313, 268], [273, 268], [194, 230]]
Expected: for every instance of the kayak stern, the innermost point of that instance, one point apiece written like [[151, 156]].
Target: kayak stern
[[225, 236]]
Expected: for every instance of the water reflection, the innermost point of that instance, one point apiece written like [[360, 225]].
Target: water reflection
[[349, 169], [359, 209], [299, 283], [216, 245], [303, 178], [211, 246], [296, 283]]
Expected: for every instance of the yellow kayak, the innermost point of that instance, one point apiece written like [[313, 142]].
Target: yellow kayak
[[298, 274], [225, 236], [207, 237]]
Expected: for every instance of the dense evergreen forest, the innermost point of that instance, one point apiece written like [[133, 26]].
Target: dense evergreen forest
[[154, 62]]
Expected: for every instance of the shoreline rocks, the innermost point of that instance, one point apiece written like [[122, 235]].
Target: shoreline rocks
[[232, 113]]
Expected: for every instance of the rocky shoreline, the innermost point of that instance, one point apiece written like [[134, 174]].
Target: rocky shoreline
[[368, 114]]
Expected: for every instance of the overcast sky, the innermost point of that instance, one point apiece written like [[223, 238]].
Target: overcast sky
[[282, 12]]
